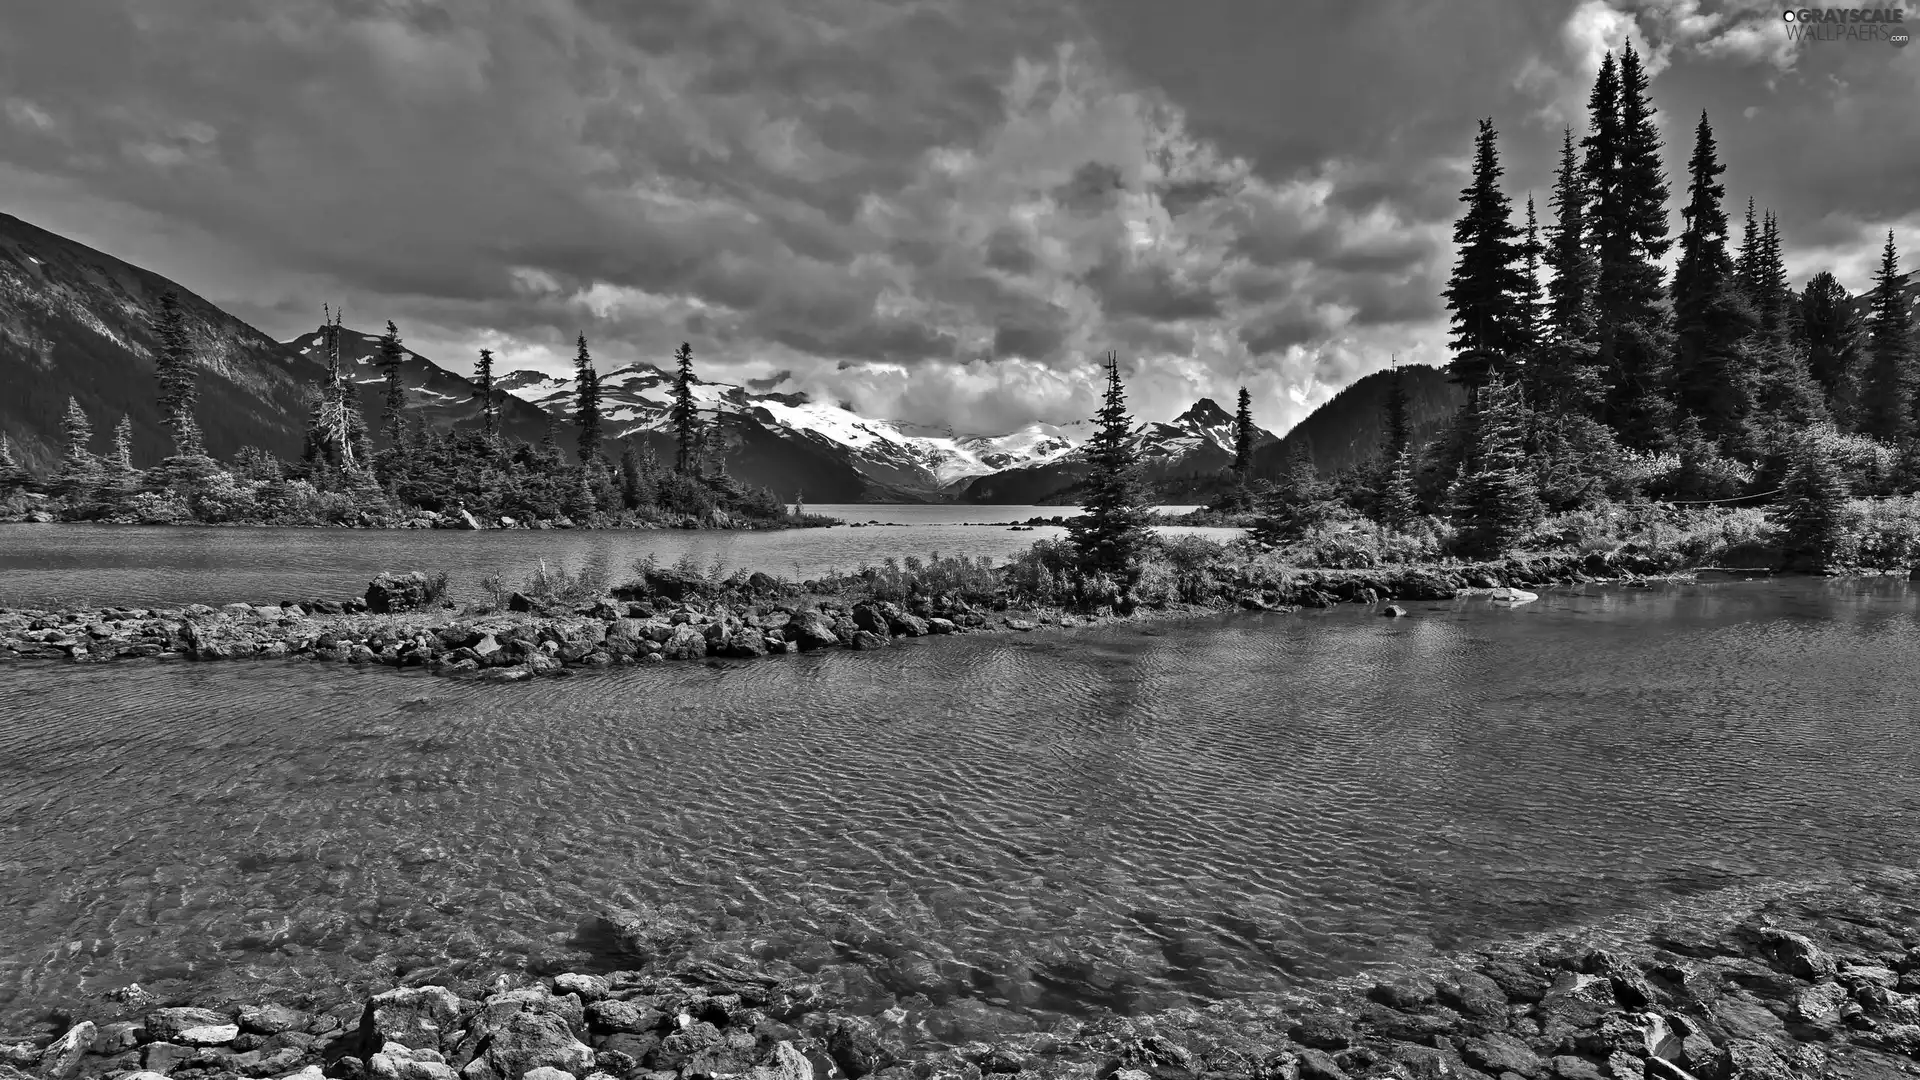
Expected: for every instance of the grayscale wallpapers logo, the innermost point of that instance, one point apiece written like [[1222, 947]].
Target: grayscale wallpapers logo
[[1848, 24]]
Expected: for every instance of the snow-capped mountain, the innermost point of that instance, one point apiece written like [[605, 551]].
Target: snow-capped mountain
[[1198, 442], [637, 400]]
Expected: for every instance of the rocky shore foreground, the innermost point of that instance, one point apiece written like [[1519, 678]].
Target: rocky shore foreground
[[1823, 985], [667, 615]]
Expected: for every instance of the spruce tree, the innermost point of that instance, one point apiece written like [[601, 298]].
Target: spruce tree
[[1812, 512], [685, 412], [1297, 502], [1886, 394], [1747, 263], [174, 369], [1531, 314], [483, 392], [81, 473], [1495, 498], [1772, 297], [1243, 435], [587, 403], [394, 406], [1563, 379], [1110, 534], [1629, 229], [1711, 318], [1484, 291], [1828, 332], [14, 476], [550, 443], [1399, 498], [120, 480], [1399, 413]]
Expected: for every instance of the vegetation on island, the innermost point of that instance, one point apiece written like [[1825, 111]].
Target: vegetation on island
[[419, 475], [1607, 408]]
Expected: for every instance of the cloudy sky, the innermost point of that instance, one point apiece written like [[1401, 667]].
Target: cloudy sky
[[938, 211]]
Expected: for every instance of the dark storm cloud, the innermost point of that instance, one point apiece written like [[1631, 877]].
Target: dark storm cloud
[[938, 210]]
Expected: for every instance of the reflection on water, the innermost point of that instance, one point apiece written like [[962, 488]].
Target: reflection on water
[[986, 830], [105, 565]]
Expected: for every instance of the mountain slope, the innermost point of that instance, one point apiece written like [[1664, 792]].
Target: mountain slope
[[1351, 427], [1197, 443], [443, 397], [73, 322]]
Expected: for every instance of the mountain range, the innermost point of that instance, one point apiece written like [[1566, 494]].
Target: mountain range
[[74, 322]]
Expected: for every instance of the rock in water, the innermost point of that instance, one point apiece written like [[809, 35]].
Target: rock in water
[[1514, 597], [191, 1027]]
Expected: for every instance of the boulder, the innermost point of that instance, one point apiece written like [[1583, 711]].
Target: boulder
[[906, 625], [746, 642], [191, 1027], [1393, 611], [415, 1017], [272, 1019], [1796, 955], [624, 1017], [509, 1048], [588, 988], [61, 1060], [686, 643], [397, 592], [811, 630], [938, 625], [867, 639]]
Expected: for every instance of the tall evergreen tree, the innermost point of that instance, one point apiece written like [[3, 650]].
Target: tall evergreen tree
[[1563, 379], [14, 476], [1495, 498], [1747, 263], [1711, 318], [393, 406], [1484, 292], [550, 443], [483, 390], [1399, 413], [1772, 299], [81, 472], [1243, 435], [1629, 229], [1828, 332], [685, 412], [119, 479], [1111, 532], [1528, 302], [587, 404], [175, 371], [336, 432], [1887, 398]]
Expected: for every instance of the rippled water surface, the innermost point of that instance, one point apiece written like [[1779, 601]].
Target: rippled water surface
[[987, 830], [49, 565]]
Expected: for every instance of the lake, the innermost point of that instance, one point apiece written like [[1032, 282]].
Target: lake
[[132, 565], [989, 832]]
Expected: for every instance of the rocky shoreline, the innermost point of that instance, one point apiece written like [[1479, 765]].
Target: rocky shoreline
[[1824, 984], [671, 616]]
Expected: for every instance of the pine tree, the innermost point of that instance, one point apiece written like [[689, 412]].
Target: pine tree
[[14, 476], [1399, 498], [1484, 292], [1747, 263], [685, 411], [636, 484], [1772, 297], [394, 404], [1297, 502], [174, 370], [1562, 381], [336, 432], [81, 473], [1629, 229], [1531, 317], [1243, 435], [550, 443], [1113, 529], [120, 480], [1812, 512], [1495, 500], [586, 412], [1399, 414], [1828, 332], [1711, 318], [1886, 396], [483, 392]]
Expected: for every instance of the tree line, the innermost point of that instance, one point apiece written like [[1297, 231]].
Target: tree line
[[341, 476], [1592, 380]]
